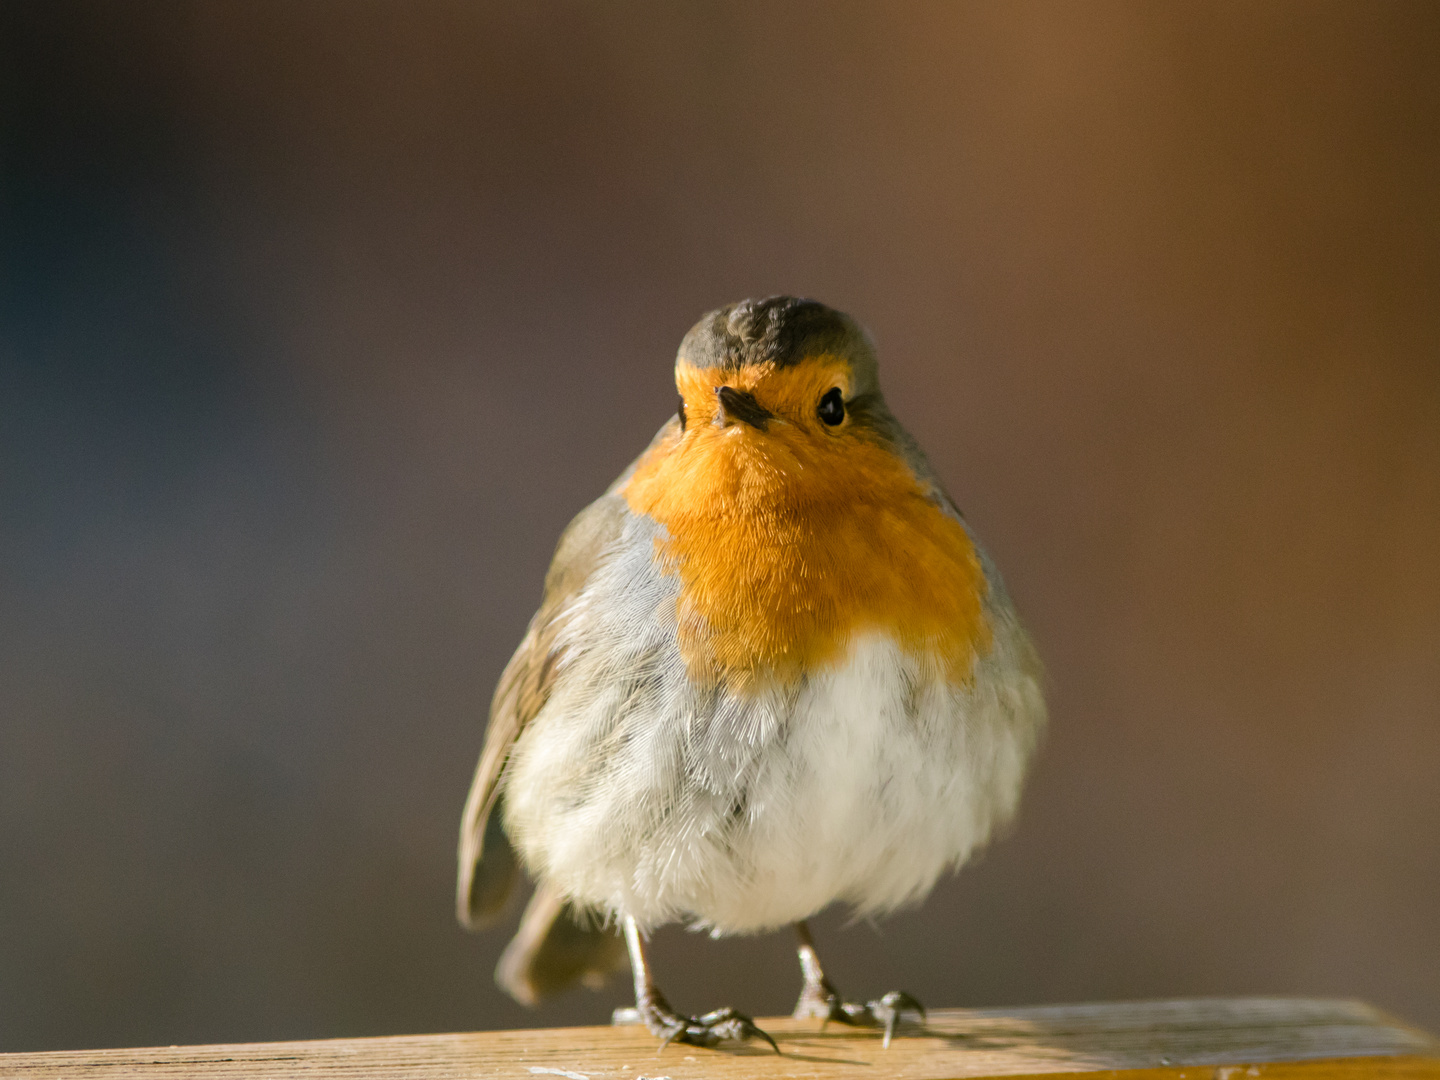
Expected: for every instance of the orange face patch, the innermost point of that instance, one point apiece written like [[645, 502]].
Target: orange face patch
[[790, 542]]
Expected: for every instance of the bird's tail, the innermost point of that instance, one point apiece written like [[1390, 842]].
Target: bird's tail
[[553, 950]]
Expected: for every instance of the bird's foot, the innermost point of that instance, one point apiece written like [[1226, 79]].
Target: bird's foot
[[820, 999], [708, 1030]]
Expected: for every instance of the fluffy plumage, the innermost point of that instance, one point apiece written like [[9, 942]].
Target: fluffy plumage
[[772, 669]]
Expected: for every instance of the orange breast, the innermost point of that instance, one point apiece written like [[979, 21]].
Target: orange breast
[[789, 546]]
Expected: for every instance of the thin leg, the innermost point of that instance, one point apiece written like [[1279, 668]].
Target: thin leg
[[820, 998], [670, 1026]]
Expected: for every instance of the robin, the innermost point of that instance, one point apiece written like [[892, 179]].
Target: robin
[[772, 670]]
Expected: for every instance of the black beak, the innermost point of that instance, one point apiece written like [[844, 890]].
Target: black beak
[[741, 405]]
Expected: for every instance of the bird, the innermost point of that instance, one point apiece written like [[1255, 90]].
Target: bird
[[772, 670]]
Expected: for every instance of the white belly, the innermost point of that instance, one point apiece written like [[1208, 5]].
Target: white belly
[[634, 794]]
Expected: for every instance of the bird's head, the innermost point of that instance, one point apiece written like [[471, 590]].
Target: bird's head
[[795, 371]]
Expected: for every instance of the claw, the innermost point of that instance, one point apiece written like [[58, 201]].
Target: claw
[[903, 1002], [886, 1012], [889, 1009], [707, 1030], [751, 1031], [729, 1024], [820, 998], [669, 1026]]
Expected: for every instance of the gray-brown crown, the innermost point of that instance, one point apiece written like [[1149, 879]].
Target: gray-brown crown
[[782, 330]]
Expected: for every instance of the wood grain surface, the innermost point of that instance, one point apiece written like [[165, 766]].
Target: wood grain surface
[[1219, 1039]]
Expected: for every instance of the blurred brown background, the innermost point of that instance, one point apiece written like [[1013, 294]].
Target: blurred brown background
[[319, 320]]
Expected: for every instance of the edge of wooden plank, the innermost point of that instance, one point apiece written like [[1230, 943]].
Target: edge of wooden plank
[[1377, 1067], [1214, 1038]]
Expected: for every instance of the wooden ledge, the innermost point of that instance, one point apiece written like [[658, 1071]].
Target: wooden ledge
[[1214, 1038]]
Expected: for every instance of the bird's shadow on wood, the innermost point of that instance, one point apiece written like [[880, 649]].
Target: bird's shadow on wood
[[838, 1036], [749, 1051]]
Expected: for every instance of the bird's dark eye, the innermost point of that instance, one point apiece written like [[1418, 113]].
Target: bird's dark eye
[[681, 414], [832, 407]]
